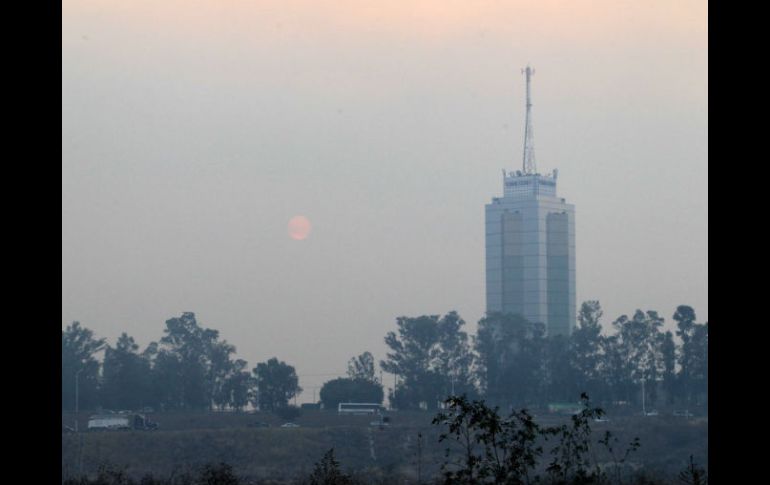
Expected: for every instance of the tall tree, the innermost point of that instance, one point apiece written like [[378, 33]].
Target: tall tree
[[586, 350], [125, 376], [613, 368], [362, 367], [238, 387], [78, 362], [686, 329], [560, 378], [191, 363], [220, 369], [638, 342], [455, 357], [430, 354], [181, 361], [641, 336], [699, 364], [654, 362], [277, 383], [510, 359], [668, 353]]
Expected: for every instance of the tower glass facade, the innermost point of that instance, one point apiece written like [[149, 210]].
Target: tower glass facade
[[530, 252]]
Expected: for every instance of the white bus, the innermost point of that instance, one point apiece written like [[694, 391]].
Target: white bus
[[359, 408]]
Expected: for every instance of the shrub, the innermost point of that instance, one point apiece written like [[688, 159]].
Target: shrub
[[288, 413], [327, 472]]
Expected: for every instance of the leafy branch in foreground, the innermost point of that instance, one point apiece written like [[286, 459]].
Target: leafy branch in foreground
[[328, 472], [693, 475], [507, 450], [571, 454]]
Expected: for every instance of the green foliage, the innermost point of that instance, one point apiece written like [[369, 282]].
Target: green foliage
[[237, 388], [512, 363], [210, 474], [693, 475], [586, 350], [189, 361], [610, 443], [328, 472], [220, 474], [493, 449], [125, 372], [560, 377], [78, 350], [431, 356], [340, 390], [693, 355], [668, 354], [571, 456], [288, 413], [277, 383], [638, 347], [506, 450], [362, 368], [511, 353], [191, 368]]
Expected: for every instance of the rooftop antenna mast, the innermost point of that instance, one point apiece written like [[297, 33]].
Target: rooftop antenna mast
[[529, 164]]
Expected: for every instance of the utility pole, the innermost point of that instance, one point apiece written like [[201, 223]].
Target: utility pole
[[419, 458], [644, 409]]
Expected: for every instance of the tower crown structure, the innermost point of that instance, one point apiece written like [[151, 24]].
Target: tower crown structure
[[530, 244], [529, 165]]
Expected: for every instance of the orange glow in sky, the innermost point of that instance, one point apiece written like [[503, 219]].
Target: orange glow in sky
[[537, 19], [299, 228]]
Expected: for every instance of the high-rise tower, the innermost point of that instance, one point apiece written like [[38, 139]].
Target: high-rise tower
[[530, 244]]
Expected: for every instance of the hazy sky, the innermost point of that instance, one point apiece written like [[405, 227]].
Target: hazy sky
[[192, 131]]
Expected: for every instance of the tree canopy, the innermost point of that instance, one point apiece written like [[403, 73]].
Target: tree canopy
[[277, 383], [509, 362]]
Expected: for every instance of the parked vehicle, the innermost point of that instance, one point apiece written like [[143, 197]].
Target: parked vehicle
[[258, 424], [568, 408], [120, 421], [289, 425]]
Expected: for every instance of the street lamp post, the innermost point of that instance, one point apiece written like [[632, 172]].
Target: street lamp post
[[395, 385], [77, 396], [77, 413]]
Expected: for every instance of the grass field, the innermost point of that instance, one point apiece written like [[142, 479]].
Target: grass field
[[186, 440]]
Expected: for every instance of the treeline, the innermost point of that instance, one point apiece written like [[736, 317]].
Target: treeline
[[190, 367], [509, 362], [513, 363]]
